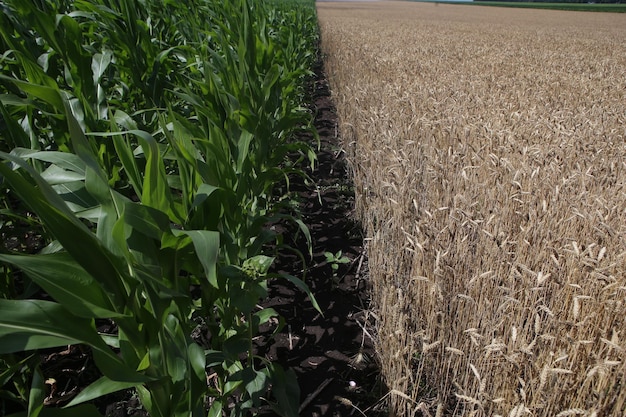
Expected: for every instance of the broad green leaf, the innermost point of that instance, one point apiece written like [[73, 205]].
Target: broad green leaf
[[147, 220], [127, 158], [37, 324], [260, 264], [67, 228], [175, 351], [204, 191], [272, 76], [235, 379], [197, 378], [307, 234], [82, 147], [145, 362], [67, 161], [99, 63], [255, 383], [265, 315], [13, 100], [156, 193], [207, 245], [243, 148], [34, 71], [197, 361], [20, 319], [55, 175], [36, 395], [97, 389], [124, 120], [23, 341], [67, 282], [216, 409], [47, 94], [14, 131], [214, 357], [76, 197]]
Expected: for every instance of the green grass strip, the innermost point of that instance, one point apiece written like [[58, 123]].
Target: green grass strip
[[580, 7]]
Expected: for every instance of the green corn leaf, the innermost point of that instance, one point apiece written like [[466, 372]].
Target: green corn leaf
[[235, 379], [271, 78], [243, 149], [82, 147], [197, 361], [65, 160], [197, 380], [99, 64], [285, 389], [37, 324], [97, 389], [34, 72], [145, 362], [14, 132], [216, 409], [207, 246], [146, 399], [55, 175], [21, 319], [36, 395], [78, 199], [203, 192], [66, 281], [214, 357], [147, 220], [175, 350], [125, 154], [255, 383], [47, 94], [303, 287], [156, 193], [265, 315], [67, 228]]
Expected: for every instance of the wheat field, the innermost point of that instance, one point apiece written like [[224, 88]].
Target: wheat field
[[488, 149]]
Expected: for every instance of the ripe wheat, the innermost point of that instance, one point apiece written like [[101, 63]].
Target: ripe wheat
[[488, 149]]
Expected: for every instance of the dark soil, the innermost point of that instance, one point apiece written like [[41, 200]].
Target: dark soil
[[332, 353]]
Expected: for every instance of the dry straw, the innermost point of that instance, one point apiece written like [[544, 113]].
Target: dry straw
[[489, 156]]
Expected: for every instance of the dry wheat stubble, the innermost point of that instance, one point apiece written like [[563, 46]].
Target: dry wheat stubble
[[488, 149]]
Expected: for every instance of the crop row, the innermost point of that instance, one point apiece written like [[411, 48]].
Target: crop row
[[490, 171], [147, 146]]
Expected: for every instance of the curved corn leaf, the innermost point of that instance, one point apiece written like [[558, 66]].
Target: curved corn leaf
[[77, 240], [36, 395], [99, 388], [37, 324], [64, 160], [21, 321], [67, 282], [303, 287], [207, 246]]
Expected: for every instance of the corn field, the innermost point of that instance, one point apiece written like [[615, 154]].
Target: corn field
[[148, 145], [488, 148]]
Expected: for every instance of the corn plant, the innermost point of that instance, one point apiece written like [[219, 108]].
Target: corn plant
[[148, 141]]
